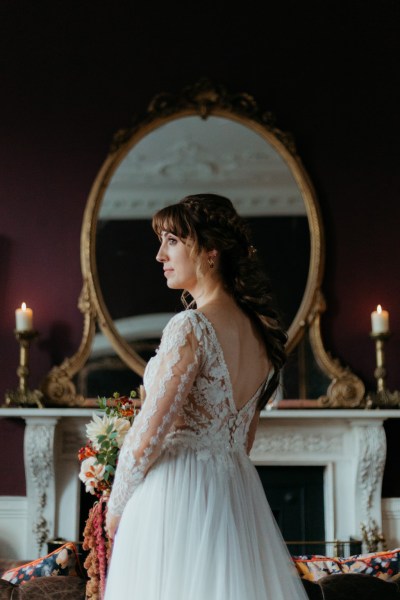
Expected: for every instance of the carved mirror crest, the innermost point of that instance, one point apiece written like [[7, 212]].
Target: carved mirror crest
[[204, 139]]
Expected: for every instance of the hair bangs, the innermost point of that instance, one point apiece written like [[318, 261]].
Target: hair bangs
[[174, 220]]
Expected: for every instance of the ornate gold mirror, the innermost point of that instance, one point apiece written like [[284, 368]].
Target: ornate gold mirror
[[203, 140]]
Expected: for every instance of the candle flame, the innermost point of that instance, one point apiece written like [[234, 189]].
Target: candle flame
[[379, 308], [23, 306]]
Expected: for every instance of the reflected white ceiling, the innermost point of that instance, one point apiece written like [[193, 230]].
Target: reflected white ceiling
[[190, 155]]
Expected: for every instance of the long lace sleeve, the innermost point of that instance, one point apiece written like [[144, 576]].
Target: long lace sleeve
[[168, 381]]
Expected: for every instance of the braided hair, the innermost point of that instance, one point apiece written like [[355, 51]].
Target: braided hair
[[212, 223]]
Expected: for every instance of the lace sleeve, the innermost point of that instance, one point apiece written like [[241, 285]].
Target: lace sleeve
[[171, 373]]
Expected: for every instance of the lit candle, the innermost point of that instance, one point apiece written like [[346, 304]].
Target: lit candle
[[24, 318], [380, 320]]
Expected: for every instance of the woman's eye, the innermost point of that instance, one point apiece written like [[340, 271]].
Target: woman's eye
[[172, 241]]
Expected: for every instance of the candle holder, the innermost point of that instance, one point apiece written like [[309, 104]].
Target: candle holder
[[382, 398], [23, 396]]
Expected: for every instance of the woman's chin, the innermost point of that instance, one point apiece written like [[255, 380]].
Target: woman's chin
[[171, 285]]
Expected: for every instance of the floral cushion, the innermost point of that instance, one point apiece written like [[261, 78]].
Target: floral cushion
[[63, 561], [383, 565], [313, 567]]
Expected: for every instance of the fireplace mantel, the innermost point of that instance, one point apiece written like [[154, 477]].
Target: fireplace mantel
[[350, 444]]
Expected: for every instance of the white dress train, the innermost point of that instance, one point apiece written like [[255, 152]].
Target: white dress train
[[195, 524]]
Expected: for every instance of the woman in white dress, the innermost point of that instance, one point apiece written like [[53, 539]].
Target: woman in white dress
[[187, 509]]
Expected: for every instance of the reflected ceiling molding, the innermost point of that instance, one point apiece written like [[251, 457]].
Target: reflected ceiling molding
[[203, 155], [249, 204]]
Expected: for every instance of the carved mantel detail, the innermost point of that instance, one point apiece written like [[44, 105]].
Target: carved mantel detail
[[372, 456], [287, 442], [40, 480]]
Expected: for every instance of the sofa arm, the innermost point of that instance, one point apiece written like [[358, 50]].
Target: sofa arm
[[63, 588], [357, 586]]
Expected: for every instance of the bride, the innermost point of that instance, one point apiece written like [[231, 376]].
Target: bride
[[187, 509]]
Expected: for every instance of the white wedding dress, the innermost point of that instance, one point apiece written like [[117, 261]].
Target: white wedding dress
[[196, 525]]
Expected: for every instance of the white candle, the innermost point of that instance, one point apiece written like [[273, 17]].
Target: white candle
[[24, 318], [380, 320]]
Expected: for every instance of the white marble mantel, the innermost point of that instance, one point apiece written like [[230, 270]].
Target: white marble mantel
[[350, 444], [52, 439]]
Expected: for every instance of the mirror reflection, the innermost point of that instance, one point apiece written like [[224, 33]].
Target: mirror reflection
[[193, 155]]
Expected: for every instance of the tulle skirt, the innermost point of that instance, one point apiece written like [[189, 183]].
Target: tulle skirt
[[200, 528]]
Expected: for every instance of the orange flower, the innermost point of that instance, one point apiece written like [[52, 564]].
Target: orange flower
[[127, 411], [91, 474], [128, 406], [85, 452]]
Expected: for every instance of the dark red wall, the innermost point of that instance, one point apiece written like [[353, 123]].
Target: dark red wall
[[73, 73]]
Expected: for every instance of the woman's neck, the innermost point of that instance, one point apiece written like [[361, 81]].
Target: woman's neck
[[215, 295]]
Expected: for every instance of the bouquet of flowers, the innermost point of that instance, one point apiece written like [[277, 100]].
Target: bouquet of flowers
[[106, 435], [98, 463]]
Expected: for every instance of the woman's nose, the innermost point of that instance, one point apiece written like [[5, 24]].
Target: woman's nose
[[160, 256]]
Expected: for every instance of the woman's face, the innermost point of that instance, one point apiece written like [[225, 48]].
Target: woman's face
[[180, 268]]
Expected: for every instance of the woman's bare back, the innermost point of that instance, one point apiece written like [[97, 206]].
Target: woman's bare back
[[242, 347]]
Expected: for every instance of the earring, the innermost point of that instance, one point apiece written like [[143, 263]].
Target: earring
[[210, 262]]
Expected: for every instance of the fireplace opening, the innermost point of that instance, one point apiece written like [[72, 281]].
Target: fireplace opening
[[296, 497]]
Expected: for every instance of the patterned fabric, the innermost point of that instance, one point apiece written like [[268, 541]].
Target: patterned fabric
[[10, 563], [380, 564], [63, 561], [189, 401], [314, 567], [383, 565]]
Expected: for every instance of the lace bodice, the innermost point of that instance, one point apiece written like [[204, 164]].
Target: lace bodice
[[189, 402]]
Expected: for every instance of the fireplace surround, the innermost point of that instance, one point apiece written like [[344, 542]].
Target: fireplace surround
[[350, 445]]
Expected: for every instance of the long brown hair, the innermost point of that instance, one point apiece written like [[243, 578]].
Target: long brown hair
[[211, 222]]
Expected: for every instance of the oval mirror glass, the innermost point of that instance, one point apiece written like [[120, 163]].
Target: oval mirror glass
[[192, 155]]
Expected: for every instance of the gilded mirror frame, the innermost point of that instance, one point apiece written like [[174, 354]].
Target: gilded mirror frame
[[204, 100]]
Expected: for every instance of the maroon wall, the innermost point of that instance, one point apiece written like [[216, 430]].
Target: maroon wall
[[73, 73]]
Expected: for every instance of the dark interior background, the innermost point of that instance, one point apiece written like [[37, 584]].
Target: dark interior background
[[72, 73], [132, 283]]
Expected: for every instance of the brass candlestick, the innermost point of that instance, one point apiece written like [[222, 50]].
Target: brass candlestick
[[382, 398], [380, 371], [23, 396]]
